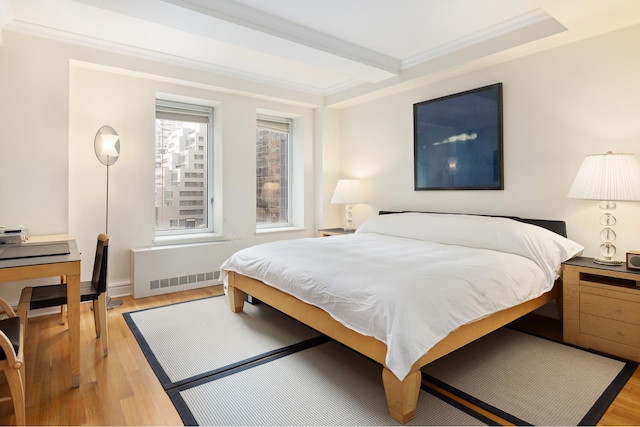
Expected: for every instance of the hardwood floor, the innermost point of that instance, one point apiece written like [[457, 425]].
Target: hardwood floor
[[121, 389]]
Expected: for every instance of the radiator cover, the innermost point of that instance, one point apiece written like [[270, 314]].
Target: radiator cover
[[172, 268]]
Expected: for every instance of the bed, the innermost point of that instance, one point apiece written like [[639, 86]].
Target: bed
[[407, 288]]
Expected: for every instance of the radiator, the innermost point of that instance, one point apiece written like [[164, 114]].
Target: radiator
[[164, 269]]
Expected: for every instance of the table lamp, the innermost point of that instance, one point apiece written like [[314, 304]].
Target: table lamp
[[609, 178], [348, 192]]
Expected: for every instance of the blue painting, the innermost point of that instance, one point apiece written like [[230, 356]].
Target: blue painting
[[458, 141]]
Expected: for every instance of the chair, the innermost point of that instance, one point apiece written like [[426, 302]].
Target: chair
[[34, 297], [12, 360]]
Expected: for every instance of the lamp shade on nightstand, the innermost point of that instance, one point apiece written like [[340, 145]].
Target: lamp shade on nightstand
[[609, 178], [348, 192]]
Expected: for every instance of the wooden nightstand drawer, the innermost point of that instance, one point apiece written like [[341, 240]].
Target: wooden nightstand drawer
[[602, 307], [615, 308], [610, 329]]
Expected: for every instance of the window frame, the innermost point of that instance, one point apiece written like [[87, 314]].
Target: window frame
[[289, 222], [198, 108]]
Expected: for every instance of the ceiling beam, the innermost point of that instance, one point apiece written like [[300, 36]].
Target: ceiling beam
[[239, 25]]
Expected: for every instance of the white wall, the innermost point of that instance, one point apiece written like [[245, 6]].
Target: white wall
[[34, 153], [54, 99], [327, 152], [559, 106], [34, 123]]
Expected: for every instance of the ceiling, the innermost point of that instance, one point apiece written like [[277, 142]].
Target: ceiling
[[330, 48]]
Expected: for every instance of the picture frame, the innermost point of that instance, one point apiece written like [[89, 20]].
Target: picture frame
[[458, 141]]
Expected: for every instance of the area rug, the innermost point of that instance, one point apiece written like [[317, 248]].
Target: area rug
[[261, 367], [187, 341], [324, 385], [526, 379]]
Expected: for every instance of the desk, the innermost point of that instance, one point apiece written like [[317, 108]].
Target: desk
[[13, 270]]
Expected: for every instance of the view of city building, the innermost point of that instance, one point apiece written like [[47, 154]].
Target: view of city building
[[181, 159], [181, 175], [272, 173]]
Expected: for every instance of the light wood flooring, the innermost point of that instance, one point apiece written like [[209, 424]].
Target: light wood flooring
[[121, 389]]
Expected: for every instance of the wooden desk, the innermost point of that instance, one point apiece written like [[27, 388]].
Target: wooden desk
[[13, 270]]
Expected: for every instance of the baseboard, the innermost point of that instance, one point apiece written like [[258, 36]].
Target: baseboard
[[119, 289]]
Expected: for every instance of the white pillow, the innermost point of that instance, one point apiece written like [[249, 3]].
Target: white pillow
[[544, 247]]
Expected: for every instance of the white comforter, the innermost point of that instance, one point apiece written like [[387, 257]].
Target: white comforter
[[405, 291]]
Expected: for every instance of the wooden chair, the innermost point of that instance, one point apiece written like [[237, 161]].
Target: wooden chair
[[34, 297], [12, 360]]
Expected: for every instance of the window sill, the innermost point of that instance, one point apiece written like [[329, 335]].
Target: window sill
[[188, 239], [278, 230]]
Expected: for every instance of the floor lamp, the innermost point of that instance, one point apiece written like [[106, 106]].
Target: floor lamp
[[107, 147]]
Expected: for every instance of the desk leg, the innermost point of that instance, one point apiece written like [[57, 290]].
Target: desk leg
[[73, 317]]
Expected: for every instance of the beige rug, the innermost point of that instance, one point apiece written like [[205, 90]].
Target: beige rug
[[530, 380], [264, 368], [324, 385], [186, 341]]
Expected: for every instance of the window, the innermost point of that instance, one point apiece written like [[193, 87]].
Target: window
[[273, 193], [182, 130]]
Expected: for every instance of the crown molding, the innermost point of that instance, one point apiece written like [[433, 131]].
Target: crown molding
[[145, 54], [534, 17]]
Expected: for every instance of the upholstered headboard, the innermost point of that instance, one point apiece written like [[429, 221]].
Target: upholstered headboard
[[557, 226]]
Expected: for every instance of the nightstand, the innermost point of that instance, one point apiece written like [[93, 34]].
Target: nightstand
[[334, 232], [602, 307]]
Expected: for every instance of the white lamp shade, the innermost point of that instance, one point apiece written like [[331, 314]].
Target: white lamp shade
[[109, 145], [607, 177], [348, 192]]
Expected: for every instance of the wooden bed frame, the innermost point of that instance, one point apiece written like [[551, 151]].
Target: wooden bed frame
[[402, 396]]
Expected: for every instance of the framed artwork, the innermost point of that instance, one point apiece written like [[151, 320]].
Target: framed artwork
[[458, 141]]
